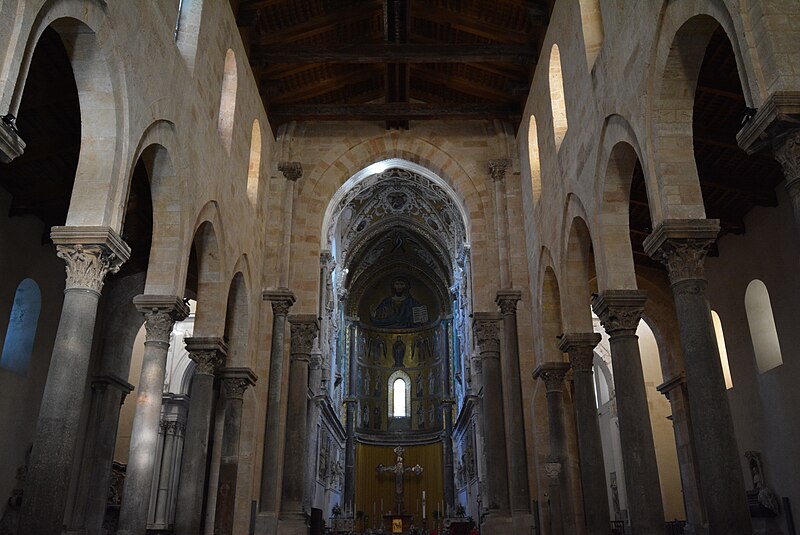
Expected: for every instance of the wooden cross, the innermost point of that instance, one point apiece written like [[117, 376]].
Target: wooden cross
[[399, 470]]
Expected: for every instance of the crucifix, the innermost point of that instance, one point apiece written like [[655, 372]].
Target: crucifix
[[399, 470]]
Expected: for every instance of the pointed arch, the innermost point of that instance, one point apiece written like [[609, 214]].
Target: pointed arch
[[557, 97], [187, 30], [227, 100], [579, 270]]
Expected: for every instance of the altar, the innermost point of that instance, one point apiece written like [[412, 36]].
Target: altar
[[397, 523]]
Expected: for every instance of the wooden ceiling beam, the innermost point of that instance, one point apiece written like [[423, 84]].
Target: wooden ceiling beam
[[462, 85], [391, 111], [471, 25], [394, 53]]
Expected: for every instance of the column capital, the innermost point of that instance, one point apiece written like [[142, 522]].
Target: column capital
[[666, 388], [552, 469], [619, 310], [497, 168], [580, 348], [207, 352], [486, 329], [103, 381], [682, 245], [778, 115], [787, 152], [507, 301], [11, 145], [90, 254], [160, 314], [236, 380], [292, 171], [304, 329], [282, 300], [552, 373]]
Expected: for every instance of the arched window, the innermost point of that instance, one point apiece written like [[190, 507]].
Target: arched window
[[533, 156], [255, 163], [399, 395], [21, 331], [723, 350], [762, 326], [227, 100], [592, 22], [557, 98]]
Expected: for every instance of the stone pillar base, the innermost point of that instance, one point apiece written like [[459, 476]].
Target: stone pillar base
[[292, 524], [266, 523], [498, 523], [522, 523]]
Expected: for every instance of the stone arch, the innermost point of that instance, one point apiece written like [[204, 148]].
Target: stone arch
[[558, 102], [89, 43], [210, 297], [552, 325], [237, 321], [227, 100], [679, 53], [592, 25], [578, 272]]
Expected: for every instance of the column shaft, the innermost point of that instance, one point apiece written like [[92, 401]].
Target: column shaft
[[235, 381], [208, 355], [580, 347], [350, 445], [315, 380], [619, 312], [90, 253], [160, 314]]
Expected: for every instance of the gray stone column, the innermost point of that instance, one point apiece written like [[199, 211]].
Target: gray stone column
[[520, 493], [314, 407], [90, 253], [208, 355], [447, 406], [160, 313], [580, 348], [304, 329], [350, 444], [552, 374], [676, 392], [619, 312], [497, 170], [108, 393], [682, 246], [281, 300], [234, 382], [486, 330], [172, 430]]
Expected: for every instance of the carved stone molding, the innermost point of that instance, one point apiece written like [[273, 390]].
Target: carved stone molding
[[486, 330], [282, 300], [619, 310], [779, 114], [292, 171], [682, 245], [304, 329], [552, 373], [160, 314], [236, 381], [668, 386], [507, 301], [497, 168], [90, 254], [102, 382], [580, 348], [208, 353], [552, 469], [11, 145], [787, 152]]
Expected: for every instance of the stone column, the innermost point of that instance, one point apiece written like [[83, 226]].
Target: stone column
[[682, 246], [314, 407], [486, 330], [619, 312], [676, 392], [552, 374], [520, 493], [172, 430], [208, 355], [447, 406], [350, 444], [292, 172], [304, 329], [497, 170], [580, 348], [234, 382], [160, 313], [108, 393], [282, 300], [90, 253]]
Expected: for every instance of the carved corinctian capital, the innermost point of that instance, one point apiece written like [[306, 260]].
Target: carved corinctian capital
[[580, 348], [282, 300], [486, 329], [619, 310], [507, 301], [236, 381], [682, 245], [208, 353], [552, 373], [304, 329], [552, 469], [90, 254], [160, 314], [497, 168], [787, 152], [292, 171]]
